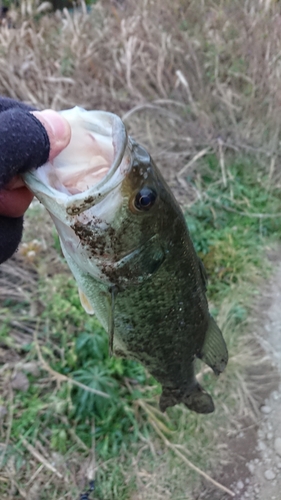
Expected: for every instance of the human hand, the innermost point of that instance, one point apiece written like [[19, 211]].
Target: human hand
[[28, 138]]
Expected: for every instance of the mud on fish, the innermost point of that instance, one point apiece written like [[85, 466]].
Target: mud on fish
[[127, 244]]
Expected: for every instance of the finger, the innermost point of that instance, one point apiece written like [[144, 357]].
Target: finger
[[24, 143], [15, 183], [13, 203], [10, 231], [15, 198], [58, 130]]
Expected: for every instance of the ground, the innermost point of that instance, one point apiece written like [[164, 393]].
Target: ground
[[263, 480], [255, 469]]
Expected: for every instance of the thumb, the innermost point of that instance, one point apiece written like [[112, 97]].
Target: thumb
[[57, 128]]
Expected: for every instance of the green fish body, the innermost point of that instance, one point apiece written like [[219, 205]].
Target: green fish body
[[127, 244]]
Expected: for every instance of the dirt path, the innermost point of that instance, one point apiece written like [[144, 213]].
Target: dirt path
[[261, 479], [264, 481], [254, 471]]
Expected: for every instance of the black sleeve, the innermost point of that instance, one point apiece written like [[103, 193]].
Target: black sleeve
[[24, 144]]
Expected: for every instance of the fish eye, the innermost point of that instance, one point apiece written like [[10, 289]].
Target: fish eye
[[145, 199]]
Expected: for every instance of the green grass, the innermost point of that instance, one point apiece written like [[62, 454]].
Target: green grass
[[227, 225], [70, 422]]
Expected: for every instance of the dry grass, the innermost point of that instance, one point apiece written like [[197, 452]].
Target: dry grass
[[183, 74], [188, 77]]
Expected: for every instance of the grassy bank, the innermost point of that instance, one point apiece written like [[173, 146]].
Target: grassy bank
[[123, 439]]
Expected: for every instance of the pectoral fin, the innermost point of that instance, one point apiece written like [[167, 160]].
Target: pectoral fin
[[214, 351], [85, 302]]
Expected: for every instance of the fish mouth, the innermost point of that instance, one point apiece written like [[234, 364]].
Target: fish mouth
[[91, 165]]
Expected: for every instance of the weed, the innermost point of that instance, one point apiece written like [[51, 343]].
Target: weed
[[67, 419], [186, 78], [220, 62]]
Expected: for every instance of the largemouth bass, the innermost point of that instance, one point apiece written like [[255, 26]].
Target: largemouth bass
[[127, 244]]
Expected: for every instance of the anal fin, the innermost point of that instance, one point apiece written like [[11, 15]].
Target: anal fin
[[214, 351]]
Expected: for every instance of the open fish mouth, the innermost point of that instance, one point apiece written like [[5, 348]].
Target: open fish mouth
[[81, 180], [85, 189]]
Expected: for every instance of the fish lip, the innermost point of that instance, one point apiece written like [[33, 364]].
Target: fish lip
[[77, 203]]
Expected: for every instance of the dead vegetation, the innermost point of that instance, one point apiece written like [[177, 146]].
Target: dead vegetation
[[184, 75], [189, 78]]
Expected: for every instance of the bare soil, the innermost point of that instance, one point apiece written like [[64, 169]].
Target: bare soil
[[255, 448]]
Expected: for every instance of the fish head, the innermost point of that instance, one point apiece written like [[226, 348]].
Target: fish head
[[109, 203]]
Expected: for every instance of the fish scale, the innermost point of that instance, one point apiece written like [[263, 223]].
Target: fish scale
[[127, 244]]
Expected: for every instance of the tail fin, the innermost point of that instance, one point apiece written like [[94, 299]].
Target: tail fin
[[197, 400]]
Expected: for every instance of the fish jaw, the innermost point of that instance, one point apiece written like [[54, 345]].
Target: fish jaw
[[98, 140]]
